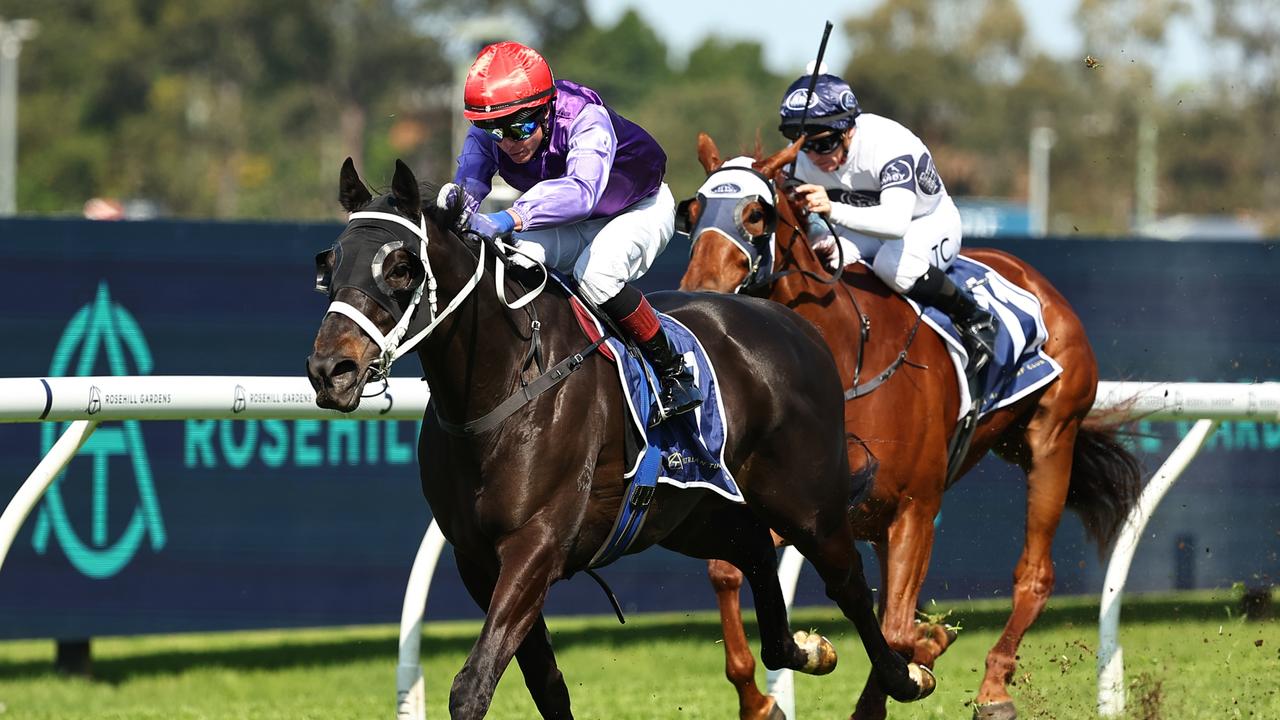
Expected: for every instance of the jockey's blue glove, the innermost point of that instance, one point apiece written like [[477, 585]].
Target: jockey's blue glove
[[492, 225]]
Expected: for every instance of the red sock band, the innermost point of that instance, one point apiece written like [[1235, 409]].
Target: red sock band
[[642, 323]]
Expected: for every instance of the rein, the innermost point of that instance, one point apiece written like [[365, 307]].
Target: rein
[[856, 390], [546, 380], [392, 344], [755, 282]]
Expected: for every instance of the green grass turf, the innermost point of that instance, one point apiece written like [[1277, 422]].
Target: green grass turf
[[1187, 656]]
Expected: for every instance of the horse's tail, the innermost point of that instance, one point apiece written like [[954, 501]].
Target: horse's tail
[[1105, 479]]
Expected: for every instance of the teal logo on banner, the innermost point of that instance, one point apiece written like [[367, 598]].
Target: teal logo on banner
[[101, 328]]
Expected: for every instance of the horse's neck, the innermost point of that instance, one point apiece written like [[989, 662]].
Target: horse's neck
[[472, 359], [795, 255], [842, 310]]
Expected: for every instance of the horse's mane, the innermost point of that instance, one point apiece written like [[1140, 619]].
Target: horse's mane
[[442, 217], [447, 219]]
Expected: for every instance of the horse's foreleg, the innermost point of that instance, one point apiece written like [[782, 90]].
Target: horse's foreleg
[[904, 560], [528, 567], [910, 547], [838, 562], [541, 674], [536, 658], [750, 548], [739, 661], [1048, 477]]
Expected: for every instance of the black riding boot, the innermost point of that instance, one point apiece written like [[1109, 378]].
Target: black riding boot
[[679, 393], [978, 328], [632, 312]]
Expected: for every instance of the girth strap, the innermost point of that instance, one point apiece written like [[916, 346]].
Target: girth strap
[[521, 397], [632, 512]]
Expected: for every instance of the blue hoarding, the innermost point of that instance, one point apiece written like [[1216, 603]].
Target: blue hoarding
[[993, 218], [167, 526]]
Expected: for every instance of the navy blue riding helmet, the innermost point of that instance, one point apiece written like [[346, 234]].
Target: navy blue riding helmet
[[833, 105]]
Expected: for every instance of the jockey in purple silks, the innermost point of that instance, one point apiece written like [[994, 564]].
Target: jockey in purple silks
[[593, 205]]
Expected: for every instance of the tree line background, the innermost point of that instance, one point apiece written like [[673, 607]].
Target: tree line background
[[239, 109]]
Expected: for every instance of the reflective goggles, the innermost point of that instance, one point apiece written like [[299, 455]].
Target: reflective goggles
[[517, 131], [824, 144]]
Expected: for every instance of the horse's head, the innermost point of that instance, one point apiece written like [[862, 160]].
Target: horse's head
[[732, 220], [375, 277]]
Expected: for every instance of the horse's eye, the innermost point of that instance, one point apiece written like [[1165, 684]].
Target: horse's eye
[[399, 271], [755, 216]]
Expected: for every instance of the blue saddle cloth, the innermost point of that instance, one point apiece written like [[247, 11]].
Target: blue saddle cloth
[[687, 450], [1020, 365]]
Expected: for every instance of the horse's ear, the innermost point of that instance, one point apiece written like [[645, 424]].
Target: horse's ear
[[351, 190], [404, 188], [708, 153], [771, 165]]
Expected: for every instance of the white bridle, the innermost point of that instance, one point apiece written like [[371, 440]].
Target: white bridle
[[391, 344]]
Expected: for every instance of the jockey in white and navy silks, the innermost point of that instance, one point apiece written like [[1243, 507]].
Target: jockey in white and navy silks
[[593, 205], [877, 184]]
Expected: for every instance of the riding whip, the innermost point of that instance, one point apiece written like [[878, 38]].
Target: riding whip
[[813, 82], [791, 180]]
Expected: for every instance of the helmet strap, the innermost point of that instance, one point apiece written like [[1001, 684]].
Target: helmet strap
[[846, 143], [549, 109]]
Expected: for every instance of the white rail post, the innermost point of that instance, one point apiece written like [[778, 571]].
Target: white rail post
[[25, 500], [1110, 655], [411, 697], [782, 683]]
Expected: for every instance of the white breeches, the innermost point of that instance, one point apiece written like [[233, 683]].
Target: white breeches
[[604, 253], [932, 239]]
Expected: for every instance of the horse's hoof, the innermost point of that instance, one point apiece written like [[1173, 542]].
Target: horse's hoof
[[932, 640], [923, 678], [995, 711], [820, 654]]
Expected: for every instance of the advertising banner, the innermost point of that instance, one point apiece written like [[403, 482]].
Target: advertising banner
[[217, 524]]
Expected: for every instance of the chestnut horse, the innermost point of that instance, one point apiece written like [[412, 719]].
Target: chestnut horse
[[528, 495], [906, 423]]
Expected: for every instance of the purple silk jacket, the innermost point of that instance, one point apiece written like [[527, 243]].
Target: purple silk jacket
[[614, 163]]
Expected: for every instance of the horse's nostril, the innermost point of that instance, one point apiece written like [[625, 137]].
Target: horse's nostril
[[334, 373], [343, 373]]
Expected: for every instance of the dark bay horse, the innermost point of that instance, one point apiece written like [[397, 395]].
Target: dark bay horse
[[1070, 460], [529, 500]]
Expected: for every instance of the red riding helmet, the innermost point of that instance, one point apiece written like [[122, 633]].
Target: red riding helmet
[[506, 77]]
